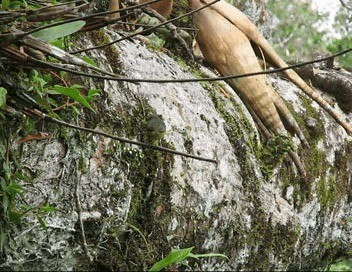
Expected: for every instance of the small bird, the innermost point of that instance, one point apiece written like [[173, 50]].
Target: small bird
[[156, 129]]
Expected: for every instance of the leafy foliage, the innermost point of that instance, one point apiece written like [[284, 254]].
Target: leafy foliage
[[343, 29], [11, 213], [342, 266], [14, 5], [179, 255], [3, 93], [60, 31], [295, 33], [74, 93], [47, 90]]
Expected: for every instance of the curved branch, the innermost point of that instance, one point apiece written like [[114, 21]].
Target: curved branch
[[184, 80]]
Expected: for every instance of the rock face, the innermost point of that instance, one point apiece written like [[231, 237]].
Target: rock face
[[123, 207]]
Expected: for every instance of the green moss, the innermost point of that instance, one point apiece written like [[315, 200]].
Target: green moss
[[100, 37], [326, 188], [267, 239], [181, 7], [331, 180], [149, 205], [316, 163], [233, 130], [188, 143], [83, 165], [343, 170], [263, 235], [273, 152], [333, 187], [313, 158], [149, 172]]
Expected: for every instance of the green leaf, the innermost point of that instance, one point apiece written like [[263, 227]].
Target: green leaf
[[89, 61], [53, 102], [42, 102], [345, 265], [93, 92], [3, 93], [76, 110], [175, 256], [60, 43], [156, 42], [74, 94], [3, 184], [15, 188], [42, 222], [55, 32], [5, 4], [7, 171], [5, 202], [77, 86], [20, 176], [48, 208]]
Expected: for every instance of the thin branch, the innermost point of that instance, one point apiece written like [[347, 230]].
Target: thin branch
[[49, 13], [6, 39], [39, 114], [59, 54], [146, 30], [80, 220], [209, 79], [105, 21], [144, 25]]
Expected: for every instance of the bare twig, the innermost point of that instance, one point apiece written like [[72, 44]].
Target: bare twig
[[56, 66], [51, 12], [145, 25], [80, 221]]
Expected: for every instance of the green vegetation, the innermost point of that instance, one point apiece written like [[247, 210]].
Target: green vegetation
[[11, 212], [60, 31], [345, 265], [273, 152], [295, 34], [48, 91], [343, 29], [179, 255]]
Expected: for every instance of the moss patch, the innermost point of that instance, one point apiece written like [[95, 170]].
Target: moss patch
[[100, 37], [143, 241]]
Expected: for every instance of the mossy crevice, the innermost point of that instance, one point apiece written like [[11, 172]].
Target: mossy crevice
[[112, 53], [149, 172]]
